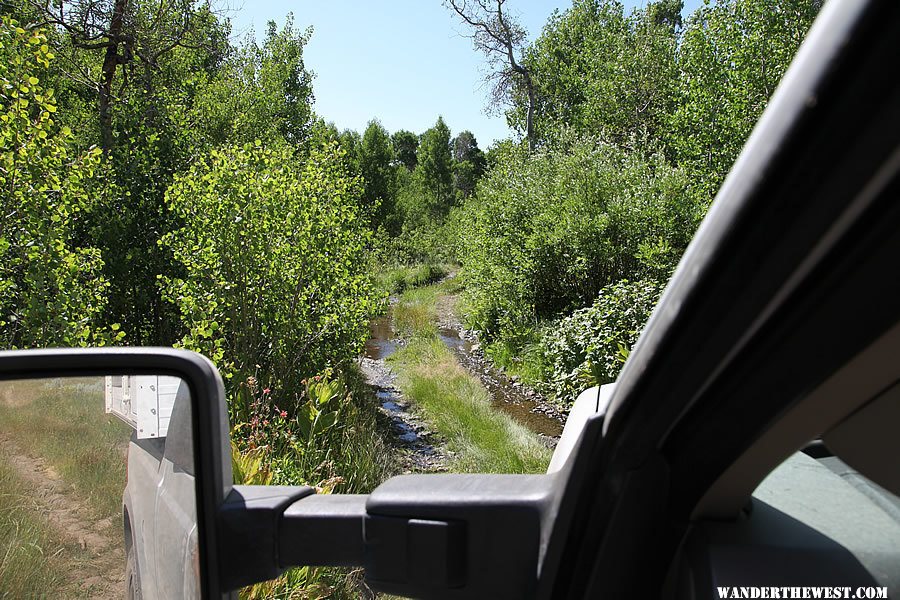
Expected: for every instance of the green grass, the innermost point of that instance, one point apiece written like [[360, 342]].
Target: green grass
[[35, 562], [415, 313], [521, 359], [483, 439], [398, 278], [63, 423]]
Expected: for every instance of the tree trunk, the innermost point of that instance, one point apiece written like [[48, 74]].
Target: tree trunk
[[110, 62], [529, 117]]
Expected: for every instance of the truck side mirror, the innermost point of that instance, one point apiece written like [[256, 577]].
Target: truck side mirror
[[128, 448], [434, 536]]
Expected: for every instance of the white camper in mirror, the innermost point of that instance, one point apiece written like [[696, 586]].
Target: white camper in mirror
[[144, 402]]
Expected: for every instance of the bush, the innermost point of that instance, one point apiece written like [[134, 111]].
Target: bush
[[590, 346], [327, 437], [276, 283], [394, 280], [52, 292], [549, 230]]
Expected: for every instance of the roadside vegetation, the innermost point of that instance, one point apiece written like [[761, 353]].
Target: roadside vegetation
[[163, 183]]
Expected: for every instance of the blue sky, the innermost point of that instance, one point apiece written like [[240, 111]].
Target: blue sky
[[402, 61]]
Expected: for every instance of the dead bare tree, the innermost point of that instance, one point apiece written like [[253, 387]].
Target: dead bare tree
[[501, 39]]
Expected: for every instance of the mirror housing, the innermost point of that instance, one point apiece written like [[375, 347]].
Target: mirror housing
[[212, 449]]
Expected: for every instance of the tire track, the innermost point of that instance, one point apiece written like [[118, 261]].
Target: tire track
[[70, 516]]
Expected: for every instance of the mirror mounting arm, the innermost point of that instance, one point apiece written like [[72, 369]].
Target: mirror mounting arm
[[249, 522], [324, 530]]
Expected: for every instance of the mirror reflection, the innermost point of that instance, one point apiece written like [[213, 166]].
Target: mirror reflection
[[97, 491]]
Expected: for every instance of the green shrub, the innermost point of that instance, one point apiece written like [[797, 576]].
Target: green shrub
[[590, 346], [52, 292], [276, 283], [549, 230], [327, 437]]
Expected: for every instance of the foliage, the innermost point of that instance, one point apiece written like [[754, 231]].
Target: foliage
[[272, 251], [590, 346], [548, 231], [52, 291], [432, 178], [731, 59], [597, 70], [375, 157], [325, 437], [405, 144], [468, 164], [261, 92]]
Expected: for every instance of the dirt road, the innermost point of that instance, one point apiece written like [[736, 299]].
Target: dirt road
[[103, 576]]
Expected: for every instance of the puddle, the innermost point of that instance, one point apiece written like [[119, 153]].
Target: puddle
[[412, 433], [381, 342], [506, 395], [452, 340]]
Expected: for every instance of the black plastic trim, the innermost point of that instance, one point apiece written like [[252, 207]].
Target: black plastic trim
[[250, 522], [324, 530]]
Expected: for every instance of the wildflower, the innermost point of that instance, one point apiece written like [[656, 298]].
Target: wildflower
[[266, 391], [284, 414]]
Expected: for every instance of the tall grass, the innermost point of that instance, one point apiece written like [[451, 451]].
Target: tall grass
[[62, 422], [398, 278], [482, 439]]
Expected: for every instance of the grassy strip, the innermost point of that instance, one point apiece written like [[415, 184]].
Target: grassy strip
[[62, 421], [34, 560], [482, 439]]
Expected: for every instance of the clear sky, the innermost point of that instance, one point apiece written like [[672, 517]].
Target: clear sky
[[402, 61]]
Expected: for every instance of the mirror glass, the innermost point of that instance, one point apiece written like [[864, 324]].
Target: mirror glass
[[97, 490]]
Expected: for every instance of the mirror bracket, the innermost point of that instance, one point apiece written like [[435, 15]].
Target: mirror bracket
[[324, 530], [417, 552], [249, 522]]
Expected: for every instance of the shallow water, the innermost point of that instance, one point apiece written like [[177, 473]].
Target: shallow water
[[505, 394], [381, 342]]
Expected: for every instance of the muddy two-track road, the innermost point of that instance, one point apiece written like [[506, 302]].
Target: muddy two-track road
[[426, 451], [101, 574]]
